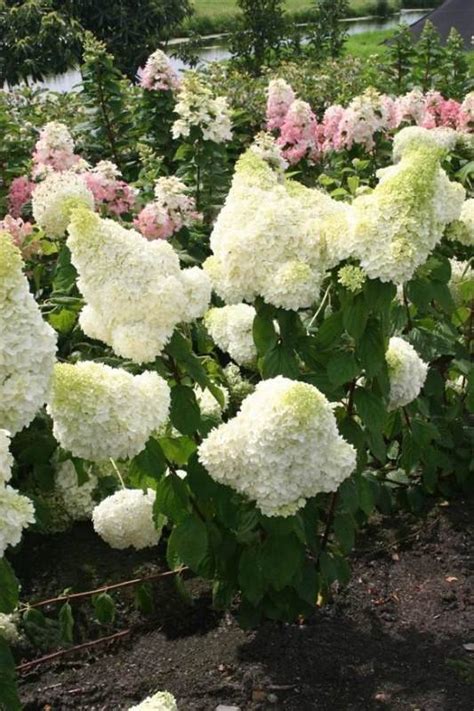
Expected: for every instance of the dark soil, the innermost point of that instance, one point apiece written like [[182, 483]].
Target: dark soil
[[392, 640]]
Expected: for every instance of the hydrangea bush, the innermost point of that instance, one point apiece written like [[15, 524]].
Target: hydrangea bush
[[246, 376]]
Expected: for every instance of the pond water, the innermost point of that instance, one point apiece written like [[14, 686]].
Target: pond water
[[218, 51]]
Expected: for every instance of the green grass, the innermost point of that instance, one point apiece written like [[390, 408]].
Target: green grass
[[218, 8], [368, 43]]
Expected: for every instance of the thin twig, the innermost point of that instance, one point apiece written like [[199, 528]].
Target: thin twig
[[320, 308], [62, 652], [105, 588]]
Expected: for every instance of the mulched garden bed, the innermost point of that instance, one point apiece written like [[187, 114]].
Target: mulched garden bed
[[394, 639]]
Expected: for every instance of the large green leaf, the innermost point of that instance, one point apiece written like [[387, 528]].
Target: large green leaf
[[251, 577], [9, 587], [185, 414], [371, 348], [9, 699], [342, 368], [371, 409], [264, 333], [282, 556], [189, 542]]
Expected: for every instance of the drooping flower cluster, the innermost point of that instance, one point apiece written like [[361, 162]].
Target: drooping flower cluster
[[198, 108], [110, 192], [101, 412], [135, 291], [55, 198], [397, 225], [407, 372], [281, 449], [299, 133], [78, 500], [171, 210], [20, 232], [16, 511], [158, 73], [126, 519], [231, 329], [275, 238], [55, 148], [162, 701], [27, 344], [19, 194], [8, 628], [266, 148], [280, 96]]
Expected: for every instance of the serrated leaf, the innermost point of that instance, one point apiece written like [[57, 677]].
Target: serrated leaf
[[371, 409], [355, 316], [185, 414], [9, 587], [104, 608], [189, 542], [171, 500], [342, 368], [371, 348], [282, 556], [264, 334], [280, 360], [251, 578], [66, 622], [9, 698], [345, 531]]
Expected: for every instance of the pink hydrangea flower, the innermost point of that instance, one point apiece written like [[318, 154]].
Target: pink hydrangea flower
[[331, 136], [110, 193], [19, 194], [55, 148], [280, 97], [154, 222], [158, 74], [19, 231], [299, 133]]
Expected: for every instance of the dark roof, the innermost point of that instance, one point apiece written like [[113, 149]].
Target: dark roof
[[452, 13]]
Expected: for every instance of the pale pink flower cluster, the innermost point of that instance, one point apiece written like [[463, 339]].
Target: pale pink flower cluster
[[19, 194], [367, 116], [55, 149], [158, 74], [19, 232], [171, 210], [111, 193], [280, 96]]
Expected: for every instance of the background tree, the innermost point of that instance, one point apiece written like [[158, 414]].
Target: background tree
[[260, 32], [328, 34]]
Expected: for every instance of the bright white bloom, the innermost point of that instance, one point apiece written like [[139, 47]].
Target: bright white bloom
[[16, 512], [135, 290], [27, 344], [209, 405], [198, 108], [171, 194], [463, 229], [461, 283], [366, 115], [411, 107], [398, 224], [55, 149], [267, 149], [78, 500], [55, 198], [281, 449], [407, 372], [8, 628], [6, 459], [126, 519], [274, 239], [101, 412], [231, 327], [162, 701], [413, 137]]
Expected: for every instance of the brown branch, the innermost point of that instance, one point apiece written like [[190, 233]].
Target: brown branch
[[106, 588], [329, 522], [26, 666]]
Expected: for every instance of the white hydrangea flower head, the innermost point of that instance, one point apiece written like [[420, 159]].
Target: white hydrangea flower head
[[16, 513], [231, 327], [55, 198], [27, 344], [461, 283], [125, 519], [8, 628], [413, 137], [209, 405], [6, 459], [366, 115], [267, 149], [462, 230], [197, 107], [135, 290], [275, 239], [407, 372], [101, 412], [400, 222], [78, 500], [162, 701], [281, 449]]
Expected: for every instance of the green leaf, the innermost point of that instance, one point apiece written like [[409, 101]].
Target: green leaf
[[172, 499], [355, 317], [177, 449], [66, 623], [264, 334], [9, 699], [342, 368], [63, 321], [410, 453], [189, 542], [282, 556], [144, 600], [379, 295], [280, 360], [251, 577], [370, 408], [9, 587], [366, 494], [104, 608], [151, 461], [371, 348], [330, 330], [345, 531], [185, 414]]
